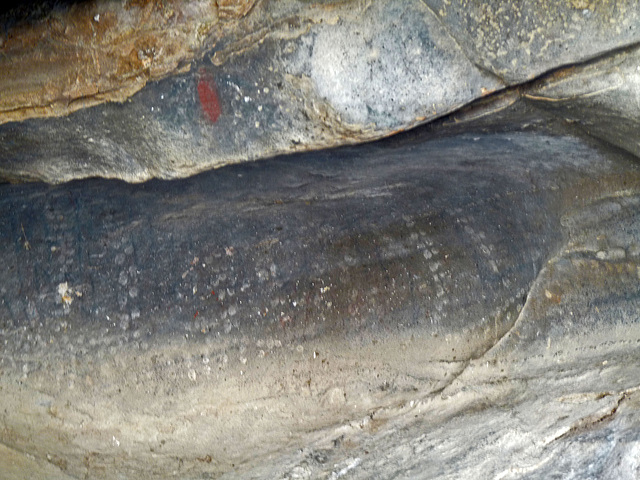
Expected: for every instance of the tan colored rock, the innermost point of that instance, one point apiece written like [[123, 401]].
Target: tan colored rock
[[105, 51]]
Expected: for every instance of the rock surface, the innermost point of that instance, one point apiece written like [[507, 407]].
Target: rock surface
[[179, 88], [603, 97], [519, 41], [322, 84], [465, 306], [455, 301]]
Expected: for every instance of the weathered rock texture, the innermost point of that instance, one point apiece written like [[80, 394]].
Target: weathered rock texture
[[227, 82], [316, 77], [518, 40], [104, 51], [603, 97], [459, 307], [457, 301]]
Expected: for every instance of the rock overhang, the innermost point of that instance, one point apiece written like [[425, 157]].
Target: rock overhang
[[337, 312]]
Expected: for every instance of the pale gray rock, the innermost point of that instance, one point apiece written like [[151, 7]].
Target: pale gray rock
[[603, 97], [519, 41]]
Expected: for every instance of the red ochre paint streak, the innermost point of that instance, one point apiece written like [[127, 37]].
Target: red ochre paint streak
[[209, 98]]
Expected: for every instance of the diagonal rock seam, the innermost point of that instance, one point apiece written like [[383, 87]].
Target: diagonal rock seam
[[498, 341], [440, 392], [504, 98], [599, 417], [507, 334], [476, 64]]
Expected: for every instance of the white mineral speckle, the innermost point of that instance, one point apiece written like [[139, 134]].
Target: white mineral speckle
[[611, 254]]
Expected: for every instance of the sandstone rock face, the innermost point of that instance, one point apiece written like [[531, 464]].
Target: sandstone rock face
[[323, 81], [103, 51], [603, 97], [520, 41], [458, 300], [455, 307], [176, 88]]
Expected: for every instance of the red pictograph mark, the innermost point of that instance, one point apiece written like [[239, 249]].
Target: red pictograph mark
[[207, 92]]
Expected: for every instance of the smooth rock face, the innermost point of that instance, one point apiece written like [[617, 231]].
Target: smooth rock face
[[459, 307]]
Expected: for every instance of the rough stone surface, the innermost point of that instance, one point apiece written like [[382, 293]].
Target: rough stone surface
[[603, 97], [316, 77], [460, 307], [237, 81], [456, 301], [92, 52], [521, 40]]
